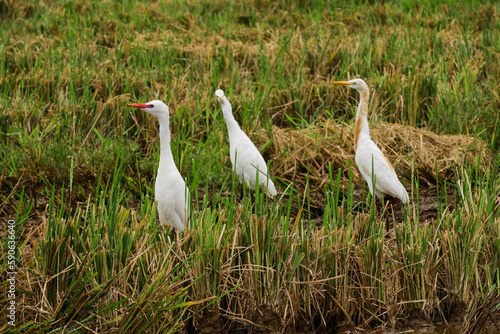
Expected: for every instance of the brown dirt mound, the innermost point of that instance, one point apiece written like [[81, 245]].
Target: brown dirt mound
[[298, 152]]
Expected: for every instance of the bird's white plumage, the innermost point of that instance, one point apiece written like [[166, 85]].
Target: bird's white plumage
[[245, 157], [171, 193], [368, 155], [372, 164]]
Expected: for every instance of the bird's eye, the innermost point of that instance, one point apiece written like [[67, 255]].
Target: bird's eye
[[150, 106]]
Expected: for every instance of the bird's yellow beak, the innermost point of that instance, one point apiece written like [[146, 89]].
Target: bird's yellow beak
[[221, 100], [343, 83]]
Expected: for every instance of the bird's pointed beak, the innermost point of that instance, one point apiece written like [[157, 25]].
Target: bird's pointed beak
[[138, 105], [221, 100], [343, 83]]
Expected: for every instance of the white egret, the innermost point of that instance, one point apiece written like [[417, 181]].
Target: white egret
[[245, 157], [369, 157], [171, 192]]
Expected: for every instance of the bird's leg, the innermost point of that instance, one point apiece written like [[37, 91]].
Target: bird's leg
[[384, 208], [172, 231], [252, 198], [388, 210], [247, 194], [393, 217], [242, 192]]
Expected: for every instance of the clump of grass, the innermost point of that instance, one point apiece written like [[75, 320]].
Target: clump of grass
[[101, 266], [415, 152]]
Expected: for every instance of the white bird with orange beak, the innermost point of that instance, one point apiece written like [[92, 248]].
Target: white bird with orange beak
[[370, 160], [171, 192], [246, 159]]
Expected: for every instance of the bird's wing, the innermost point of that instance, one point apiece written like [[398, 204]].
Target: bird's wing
[[247, 160], [170, 192], [369, 156]]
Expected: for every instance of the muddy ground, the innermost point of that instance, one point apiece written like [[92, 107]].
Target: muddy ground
[[264, 321]]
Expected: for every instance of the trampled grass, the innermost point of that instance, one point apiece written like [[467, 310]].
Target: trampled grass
[[77, 167]]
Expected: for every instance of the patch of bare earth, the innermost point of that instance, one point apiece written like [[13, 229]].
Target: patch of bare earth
[[263, 320]]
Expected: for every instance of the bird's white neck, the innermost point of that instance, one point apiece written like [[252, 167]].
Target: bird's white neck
[[231, 123], [166, 157], [361, 129]]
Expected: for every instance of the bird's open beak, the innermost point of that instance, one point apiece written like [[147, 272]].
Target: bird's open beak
[[343, 83], [138, 105]]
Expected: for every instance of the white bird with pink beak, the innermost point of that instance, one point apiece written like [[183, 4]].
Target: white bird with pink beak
[[171, 192]]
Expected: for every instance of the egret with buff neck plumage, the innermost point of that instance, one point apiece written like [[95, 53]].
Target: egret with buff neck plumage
[[369, 157], [171, 192], [246, 159]]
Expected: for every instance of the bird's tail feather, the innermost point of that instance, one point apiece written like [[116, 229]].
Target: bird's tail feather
[[271, 189]]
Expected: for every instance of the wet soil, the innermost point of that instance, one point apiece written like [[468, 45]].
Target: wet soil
[[37, 191], [264, 321], [391, 210]]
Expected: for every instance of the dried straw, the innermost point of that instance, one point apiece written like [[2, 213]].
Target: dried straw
[[298, 152]]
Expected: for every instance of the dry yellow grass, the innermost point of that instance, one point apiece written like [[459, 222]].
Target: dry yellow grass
[[298, 152]]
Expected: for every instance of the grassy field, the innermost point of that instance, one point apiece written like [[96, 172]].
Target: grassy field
[[77, 166]]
